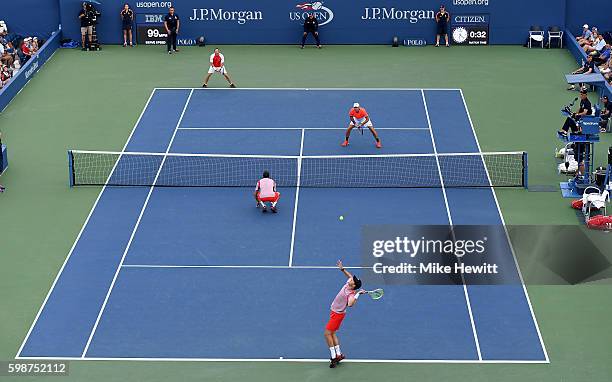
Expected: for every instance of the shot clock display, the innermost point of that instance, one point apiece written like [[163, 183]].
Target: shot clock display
[[470, 30], [471, 35]]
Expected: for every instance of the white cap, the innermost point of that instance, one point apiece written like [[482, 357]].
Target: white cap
[[356, 104], [586, 26]]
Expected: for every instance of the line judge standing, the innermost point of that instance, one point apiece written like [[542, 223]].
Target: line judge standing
[[311, 25], [442, 18], [172, 24]]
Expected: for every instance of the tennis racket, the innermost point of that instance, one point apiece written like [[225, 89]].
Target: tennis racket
[[376, 293]]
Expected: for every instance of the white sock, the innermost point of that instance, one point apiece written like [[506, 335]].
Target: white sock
[[332, 351], [263, 204], [274, 204], [337, 348]]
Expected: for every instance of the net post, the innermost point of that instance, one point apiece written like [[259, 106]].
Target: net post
[[525, 171], [70, 168]]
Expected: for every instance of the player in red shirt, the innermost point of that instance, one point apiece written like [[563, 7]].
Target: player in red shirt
[[359, 117], [217, 65]]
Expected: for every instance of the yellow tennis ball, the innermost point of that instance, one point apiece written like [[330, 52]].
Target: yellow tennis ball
[[341, 218]]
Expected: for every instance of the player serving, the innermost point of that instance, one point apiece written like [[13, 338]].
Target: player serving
[[265, 191], [217, 65], [359, 118], [346, 298]]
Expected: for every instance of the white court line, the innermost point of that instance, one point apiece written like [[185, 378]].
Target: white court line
[[296, 128], [127, 248], [299, 360], [82, 229], [297, 196], [450, 220], [316, 89], [535, 320], [170, 266]]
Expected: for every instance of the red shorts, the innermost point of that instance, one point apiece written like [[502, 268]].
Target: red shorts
[[269, 198], [335, 320]]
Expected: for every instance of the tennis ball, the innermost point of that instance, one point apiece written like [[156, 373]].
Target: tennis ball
[[280, 357], [341, 218]]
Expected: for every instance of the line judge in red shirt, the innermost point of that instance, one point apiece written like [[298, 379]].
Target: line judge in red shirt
[[217, 65], [265, 191], [359, 118]]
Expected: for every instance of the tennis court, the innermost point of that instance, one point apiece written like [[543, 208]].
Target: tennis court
[[162, 272]]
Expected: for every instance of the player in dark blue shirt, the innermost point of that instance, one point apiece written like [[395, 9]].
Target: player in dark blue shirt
[[172, 24], [587, 68], [584, 109], [127, 17], [442, 18], [311, 25]]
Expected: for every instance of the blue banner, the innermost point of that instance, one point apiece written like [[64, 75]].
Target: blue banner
[[27, 71], [341, 22]]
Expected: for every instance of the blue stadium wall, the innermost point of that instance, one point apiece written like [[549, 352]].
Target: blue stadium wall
[[31, 17], [279, 21], [592, 12], [343, 21]]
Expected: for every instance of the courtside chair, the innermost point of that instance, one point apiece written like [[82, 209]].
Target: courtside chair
[[555, 32], [536, 33]]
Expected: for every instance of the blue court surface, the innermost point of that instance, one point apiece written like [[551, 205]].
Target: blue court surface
[[200, 273]]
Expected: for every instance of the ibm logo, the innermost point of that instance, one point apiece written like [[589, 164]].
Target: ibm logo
[[154, 18]]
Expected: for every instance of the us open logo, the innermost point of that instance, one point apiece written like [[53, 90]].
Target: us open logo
[[323, 14]]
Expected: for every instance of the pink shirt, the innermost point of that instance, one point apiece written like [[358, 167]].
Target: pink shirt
[[340, 302], [266, 187]]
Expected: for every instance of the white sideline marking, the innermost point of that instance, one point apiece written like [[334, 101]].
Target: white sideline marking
[[535, 320], [304, 360], [308, 89], [127, 247], [81, 231], [450, 220]]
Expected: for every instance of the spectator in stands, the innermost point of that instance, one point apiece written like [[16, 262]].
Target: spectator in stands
[[584, 109], [172, 24], [311, 25], [25, 49], [590, 39], [127, 18], [587, 68], [597, 45], [86, 26], [34, 45], [442, 18], [11, 50], [603, 56], [5, 75], [606, 109], [5, 57], [585, 35]]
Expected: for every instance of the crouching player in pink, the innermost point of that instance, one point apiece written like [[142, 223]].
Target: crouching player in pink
[[346, 298], [265, 191]]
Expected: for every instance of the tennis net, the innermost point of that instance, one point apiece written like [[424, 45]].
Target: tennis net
[[98, 168]]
